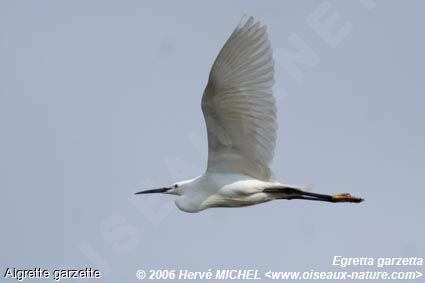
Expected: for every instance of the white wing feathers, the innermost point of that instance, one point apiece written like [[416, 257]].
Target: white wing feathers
[[238, 104]]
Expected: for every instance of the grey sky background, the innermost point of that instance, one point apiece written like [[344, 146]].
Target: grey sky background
[[100, 99]]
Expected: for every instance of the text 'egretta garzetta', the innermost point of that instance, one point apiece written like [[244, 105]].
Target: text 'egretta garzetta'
[[240, 114]]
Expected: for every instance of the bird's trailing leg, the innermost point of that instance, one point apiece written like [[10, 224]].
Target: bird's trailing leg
[[294, 193]]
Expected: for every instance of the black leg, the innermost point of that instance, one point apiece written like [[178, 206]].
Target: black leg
[[293, 193]]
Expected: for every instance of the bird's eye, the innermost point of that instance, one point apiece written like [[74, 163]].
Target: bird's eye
[[175, 186]]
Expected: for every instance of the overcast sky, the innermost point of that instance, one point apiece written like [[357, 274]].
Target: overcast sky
[[100, 99]]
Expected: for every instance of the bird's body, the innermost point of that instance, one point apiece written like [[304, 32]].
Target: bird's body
[[240, 114], [221, 190]]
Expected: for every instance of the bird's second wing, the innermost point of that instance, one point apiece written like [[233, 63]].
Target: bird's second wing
[[238, 104]]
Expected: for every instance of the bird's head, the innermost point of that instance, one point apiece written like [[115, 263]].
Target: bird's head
[[174, 189]]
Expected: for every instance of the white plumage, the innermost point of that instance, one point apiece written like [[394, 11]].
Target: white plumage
[[240, 115], [238, 104]]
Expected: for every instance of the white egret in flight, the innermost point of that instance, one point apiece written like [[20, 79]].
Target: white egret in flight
[[240, 114]]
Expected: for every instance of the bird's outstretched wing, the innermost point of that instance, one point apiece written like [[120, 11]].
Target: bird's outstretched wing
[[238, 104]]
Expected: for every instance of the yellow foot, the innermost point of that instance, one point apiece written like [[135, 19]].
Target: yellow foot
[[346, 198]]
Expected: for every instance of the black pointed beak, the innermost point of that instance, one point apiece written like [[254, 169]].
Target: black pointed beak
[[154, 191]]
